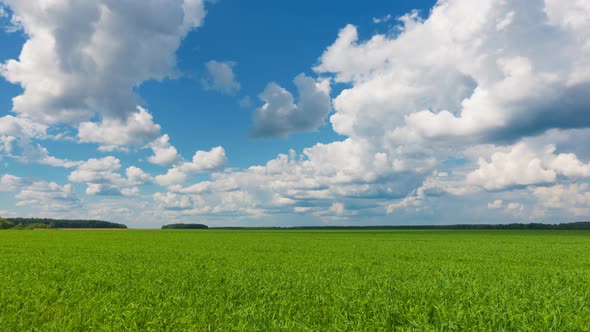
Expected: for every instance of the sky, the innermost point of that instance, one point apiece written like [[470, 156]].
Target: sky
[[291, 113]]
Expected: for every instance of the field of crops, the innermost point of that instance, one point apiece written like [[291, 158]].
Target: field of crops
[[294, 280]]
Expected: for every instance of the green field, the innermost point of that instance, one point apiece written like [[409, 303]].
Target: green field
[[60, 280]]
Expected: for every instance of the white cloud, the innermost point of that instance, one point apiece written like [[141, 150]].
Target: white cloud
[[497, 204], [520, 166], [16, 140], [173, 201], [435, 184], [137, 176], [10, 125], [383, 19], [35, 153], [513, 206], [523, 165], [86, 57], [133, 191], [164, 153], [172, 177], [10, 183], [408, 201], [41, 195], [113, 133], [102, 177], [447, 77], [324, 178], [98, 171], [203, 161], [280, 116], [99, 189], [573, 198], [221, 77]]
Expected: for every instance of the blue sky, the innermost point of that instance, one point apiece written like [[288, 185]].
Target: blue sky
[[283, 113]]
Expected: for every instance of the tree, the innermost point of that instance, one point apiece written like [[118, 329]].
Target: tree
[[5, 224]]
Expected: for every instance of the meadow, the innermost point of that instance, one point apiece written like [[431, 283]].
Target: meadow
[[201, 280]]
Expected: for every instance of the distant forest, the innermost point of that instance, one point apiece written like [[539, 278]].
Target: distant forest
[[582, 225], [185, 226], [56, 223]]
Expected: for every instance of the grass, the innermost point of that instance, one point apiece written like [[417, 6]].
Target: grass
[[295, 280]]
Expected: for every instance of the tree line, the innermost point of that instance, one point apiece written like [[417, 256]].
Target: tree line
[[185, 226], [37, 223], [581, 225]]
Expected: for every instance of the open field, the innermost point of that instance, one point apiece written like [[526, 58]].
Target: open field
[[295, 280]]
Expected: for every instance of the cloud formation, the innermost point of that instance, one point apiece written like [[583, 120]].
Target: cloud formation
[[280, 116], [80, 66], [83, 58], [487, 78], [102, 177], [41, 195], [221, 77], [522, 166], [203, 161], [164, 153], [136, 130]]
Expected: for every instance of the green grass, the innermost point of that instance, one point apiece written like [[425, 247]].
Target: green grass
[[294, 280]]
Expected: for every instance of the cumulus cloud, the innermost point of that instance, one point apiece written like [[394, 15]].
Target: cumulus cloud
[[113, 133], [513, 206], [49, 196], [97, 170], [203, 161], [173, 201], [35, 153], [87, 57], [221, 77], [40, 195], [103, 178], [435, 184], [445, 77], [136, 176], [323, 180], [497, 204], [11, 125], [280, 116], [18, 138], [522, 165], [574, 198], [12, 183], [164, 153]]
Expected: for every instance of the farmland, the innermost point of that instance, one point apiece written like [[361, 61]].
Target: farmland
[[294, 280]]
